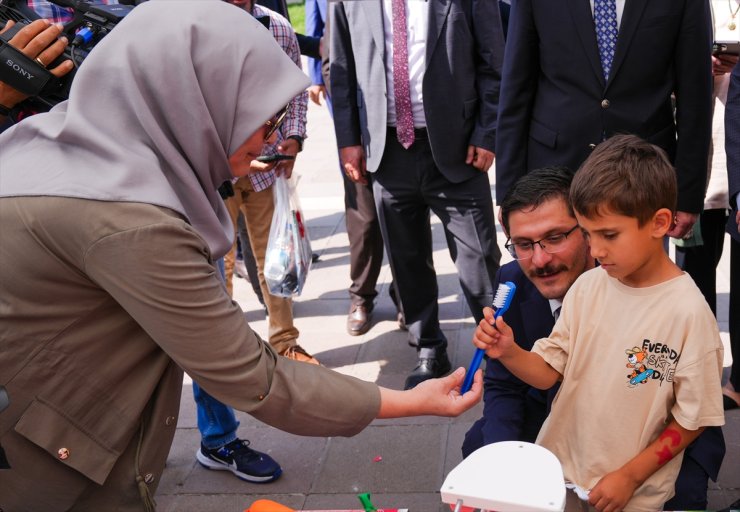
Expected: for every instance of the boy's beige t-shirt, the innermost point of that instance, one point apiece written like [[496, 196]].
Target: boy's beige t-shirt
[[630, 358]]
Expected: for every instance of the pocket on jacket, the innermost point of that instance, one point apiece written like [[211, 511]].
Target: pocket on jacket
[[470, 108], [543, 134], [58, 435], [657, 21]]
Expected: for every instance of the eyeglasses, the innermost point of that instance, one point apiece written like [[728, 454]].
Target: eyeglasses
[[550, 244], [274, 124]]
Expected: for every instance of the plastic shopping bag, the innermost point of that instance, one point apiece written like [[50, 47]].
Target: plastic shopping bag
[[288, 256]]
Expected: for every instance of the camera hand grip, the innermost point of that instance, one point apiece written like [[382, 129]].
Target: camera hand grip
[[22, 73]]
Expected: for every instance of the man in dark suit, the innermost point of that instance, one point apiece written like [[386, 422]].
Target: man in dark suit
[[550, 254], [363, 229], [415, 91], [732, 148], [535, 209], [577, 72]]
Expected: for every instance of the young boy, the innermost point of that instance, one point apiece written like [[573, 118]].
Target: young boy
[[636, 346]]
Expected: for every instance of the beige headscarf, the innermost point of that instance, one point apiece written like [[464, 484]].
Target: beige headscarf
[[155, 111]]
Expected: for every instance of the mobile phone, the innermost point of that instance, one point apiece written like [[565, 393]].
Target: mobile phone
[[266, 159], [726, 48]]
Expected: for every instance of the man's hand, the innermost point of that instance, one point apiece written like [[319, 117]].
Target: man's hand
[[480, 158], [257, 166], [40, 41], [315, 92], [353, 162], [737, 220], [683, 222], [613, 491], [723, 63], [287, 147]]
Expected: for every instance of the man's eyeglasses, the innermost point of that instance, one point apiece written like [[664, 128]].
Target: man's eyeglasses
[[274, 124], [550, 244]]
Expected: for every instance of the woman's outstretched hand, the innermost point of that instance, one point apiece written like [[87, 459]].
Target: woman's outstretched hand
[[437, 397]]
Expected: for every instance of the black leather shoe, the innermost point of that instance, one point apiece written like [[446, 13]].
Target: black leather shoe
[[428, 368], [358, 320]]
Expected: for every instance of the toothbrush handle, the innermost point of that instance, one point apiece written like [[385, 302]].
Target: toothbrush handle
[[477, 359], [474, 365]]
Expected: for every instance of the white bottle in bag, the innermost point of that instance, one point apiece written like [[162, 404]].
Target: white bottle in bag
[[277, 262]]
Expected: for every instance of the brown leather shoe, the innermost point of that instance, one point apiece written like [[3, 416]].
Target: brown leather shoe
[[358, 320], [297, 353]]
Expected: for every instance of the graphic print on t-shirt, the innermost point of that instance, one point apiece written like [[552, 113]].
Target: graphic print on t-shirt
[[652, 361]]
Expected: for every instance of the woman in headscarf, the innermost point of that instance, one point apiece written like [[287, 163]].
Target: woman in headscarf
[[111, 221]]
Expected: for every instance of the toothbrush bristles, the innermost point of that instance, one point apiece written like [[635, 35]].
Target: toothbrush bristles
[[501, 294]]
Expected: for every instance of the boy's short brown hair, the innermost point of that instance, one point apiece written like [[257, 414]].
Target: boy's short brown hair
[[627, 176]]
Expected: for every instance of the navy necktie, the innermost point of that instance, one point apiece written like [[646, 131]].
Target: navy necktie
[[605, 19]]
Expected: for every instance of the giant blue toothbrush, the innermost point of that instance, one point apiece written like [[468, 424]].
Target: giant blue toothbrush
[[501, 301]]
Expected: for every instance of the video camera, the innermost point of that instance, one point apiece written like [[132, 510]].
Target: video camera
[[89, 24]]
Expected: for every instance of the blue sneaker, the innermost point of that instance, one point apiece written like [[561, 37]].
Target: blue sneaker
[[240, 459]]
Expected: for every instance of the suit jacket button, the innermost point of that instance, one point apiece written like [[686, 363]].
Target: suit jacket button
[[604, 103], [148, 478], [169, 420], [63, 453]]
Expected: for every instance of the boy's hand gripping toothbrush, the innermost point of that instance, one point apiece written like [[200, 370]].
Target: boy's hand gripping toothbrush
[[501, 301]]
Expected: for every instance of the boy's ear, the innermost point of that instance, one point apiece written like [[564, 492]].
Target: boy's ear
[[662, 222]]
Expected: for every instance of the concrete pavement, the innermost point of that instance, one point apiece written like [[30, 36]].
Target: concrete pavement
[[402, 463]]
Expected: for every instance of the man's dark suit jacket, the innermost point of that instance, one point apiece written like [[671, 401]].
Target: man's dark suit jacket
[[515, 411], [464, 54], [732, 147], [555, 105]]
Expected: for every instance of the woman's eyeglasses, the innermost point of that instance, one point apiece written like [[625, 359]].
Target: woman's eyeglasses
[[274, 124]]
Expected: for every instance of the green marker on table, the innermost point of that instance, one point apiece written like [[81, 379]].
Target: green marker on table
[[365, 500]]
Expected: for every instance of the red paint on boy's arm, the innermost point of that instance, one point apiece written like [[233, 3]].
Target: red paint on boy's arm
[[664, 455], [674, 436]]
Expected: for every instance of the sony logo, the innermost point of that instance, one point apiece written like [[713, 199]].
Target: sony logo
[[19, 69]]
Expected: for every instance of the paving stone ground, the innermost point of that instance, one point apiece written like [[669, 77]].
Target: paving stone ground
[[402, 463]]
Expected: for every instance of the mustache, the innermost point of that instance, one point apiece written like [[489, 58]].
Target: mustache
[[548, 269]]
